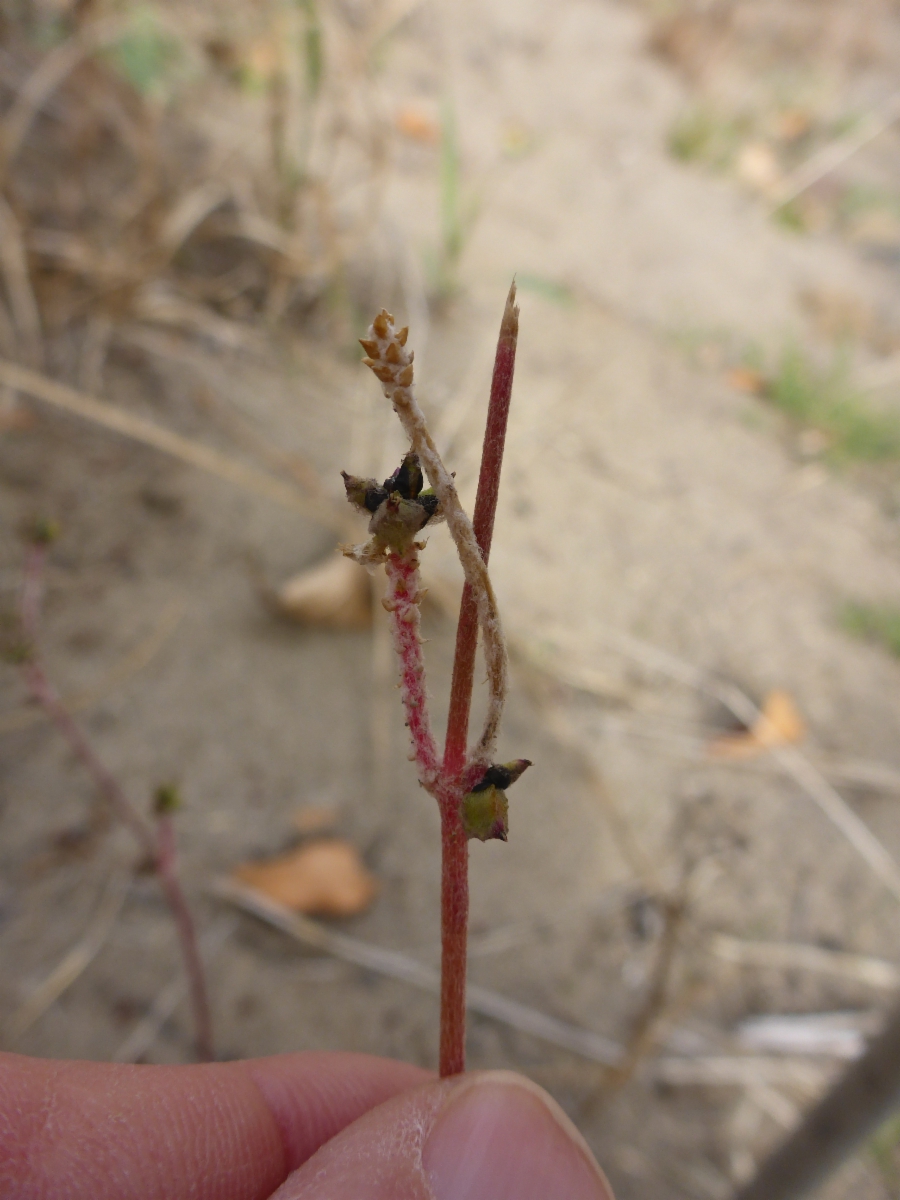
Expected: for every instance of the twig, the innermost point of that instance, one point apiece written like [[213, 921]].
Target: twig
[[642, 1030], [31, 383], [76, 960], [136, 659], [23, 306], [793, 956], [723, 1070], [159, 851], [836, 153], [395, 965], [167, 869], [865, 1095]]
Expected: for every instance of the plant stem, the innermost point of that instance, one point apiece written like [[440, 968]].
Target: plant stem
[[454, 844], [160, 852], [167, 870], [402, 602], [483, 524]]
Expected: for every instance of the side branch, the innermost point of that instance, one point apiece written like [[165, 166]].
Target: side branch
[[402, 602]]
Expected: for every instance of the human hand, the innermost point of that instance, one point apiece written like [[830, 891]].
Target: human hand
[[293, 1127]]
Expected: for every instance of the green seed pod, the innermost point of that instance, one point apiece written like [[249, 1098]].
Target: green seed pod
[[485, 814]]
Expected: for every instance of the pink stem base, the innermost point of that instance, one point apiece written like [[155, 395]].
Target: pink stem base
[[402, 602], [167, 869]]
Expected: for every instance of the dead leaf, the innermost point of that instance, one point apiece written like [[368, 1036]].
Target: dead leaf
[[745, 379], [313, 819], [779, 724], [326, 877], [336, 594], [793, 123], [414, 123]]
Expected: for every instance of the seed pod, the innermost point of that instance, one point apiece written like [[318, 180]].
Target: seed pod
[[364, 494], [502, 775], [407, 479], [485, 814]]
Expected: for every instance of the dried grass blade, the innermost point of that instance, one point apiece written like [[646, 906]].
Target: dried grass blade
[[50, 73], [23, 306], [76, 960], [395, 965], [795, 764], [40, 387]]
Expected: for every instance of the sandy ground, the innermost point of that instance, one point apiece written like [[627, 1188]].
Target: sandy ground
[[641, 496]]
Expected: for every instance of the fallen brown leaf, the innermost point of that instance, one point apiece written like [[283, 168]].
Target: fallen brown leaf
[[313, 819], [15, 418], [336, 594], [326, 877], [745, 379], [417, 125], [779, 724], [793, 123]]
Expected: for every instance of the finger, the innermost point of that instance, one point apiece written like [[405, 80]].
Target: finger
[[221, 1131], [491, 1135]]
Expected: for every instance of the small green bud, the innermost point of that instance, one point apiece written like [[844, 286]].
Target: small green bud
[[41, 531], [485, 814], [166, 799]]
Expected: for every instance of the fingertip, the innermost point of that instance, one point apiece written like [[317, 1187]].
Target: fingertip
[[312, 1096], [491, 1135]]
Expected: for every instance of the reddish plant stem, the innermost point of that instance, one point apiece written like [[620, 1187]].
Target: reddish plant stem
[[46, 695], [483, 524], [454, 844], [402, 602], [160, 852], [167, 869]]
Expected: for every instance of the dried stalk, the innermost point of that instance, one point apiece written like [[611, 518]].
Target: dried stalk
[[864, 1096], [167, 870]]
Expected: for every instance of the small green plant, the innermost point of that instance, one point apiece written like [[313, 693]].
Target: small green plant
[[549, 289], [456, 215], [700, 135], [790, 216], [879, 623], [146, 55], [884, 1146], [827, 400]]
